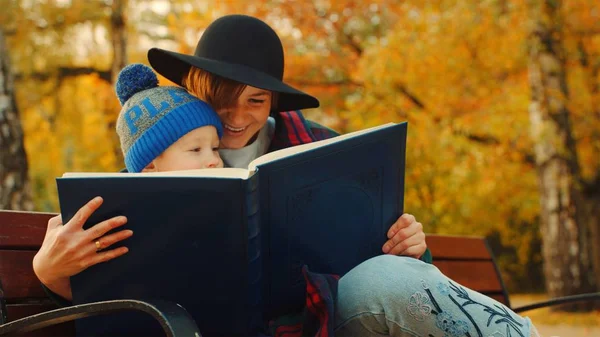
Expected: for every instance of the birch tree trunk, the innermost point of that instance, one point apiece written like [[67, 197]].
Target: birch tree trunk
[[14, 183], [565, 233], [118, 31]]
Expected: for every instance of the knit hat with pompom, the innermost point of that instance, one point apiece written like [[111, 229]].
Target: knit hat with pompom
[[154, 117]]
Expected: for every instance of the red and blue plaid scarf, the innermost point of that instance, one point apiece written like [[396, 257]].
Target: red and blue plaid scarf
[[317, 317], [292, 129]]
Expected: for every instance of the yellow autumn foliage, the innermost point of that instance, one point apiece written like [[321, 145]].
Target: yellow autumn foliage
[[68, 132], [455, 70]]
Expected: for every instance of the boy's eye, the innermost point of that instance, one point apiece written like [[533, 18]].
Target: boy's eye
[[197, 149], [216, 149], [257, 101]]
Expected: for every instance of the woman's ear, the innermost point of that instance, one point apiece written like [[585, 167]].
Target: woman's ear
[[150, 167]]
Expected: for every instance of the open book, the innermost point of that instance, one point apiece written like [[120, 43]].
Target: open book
[[236, 172], [235, 240]]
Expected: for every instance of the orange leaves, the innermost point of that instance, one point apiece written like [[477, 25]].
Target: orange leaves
[[68, 132], [441, 68], [456, 70]]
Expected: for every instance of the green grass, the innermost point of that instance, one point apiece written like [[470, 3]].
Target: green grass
[[549, 317]]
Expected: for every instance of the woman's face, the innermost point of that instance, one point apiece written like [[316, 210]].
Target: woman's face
[[243, 120]]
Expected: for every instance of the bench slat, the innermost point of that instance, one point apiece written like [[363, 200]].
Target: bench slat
[[457, 247], [18, 278], [16, 311], [477, 275], [22, 229]]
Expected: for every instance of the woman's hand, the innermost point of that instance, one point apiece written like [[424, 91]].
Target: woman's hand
[[69, 249], [406, 237]]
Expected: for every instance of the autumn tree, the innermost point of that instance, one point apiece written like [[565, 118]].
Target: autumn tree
[[118, 36], [456, 71], [70, 53], [452, 70], [14, 181], [568, 231]]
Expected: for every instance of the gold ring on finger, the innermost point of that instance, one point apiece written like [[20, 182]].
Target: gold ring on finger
[[98, 245]]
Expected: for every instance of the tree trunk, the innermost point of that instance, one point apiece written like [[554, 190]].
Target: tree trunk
[[119, 38], [118, 31], [592, 219], [567, 255], [14, 183]]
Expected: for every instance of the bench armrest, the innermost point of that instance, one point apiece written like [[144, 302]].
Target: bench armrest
[[559, 300], [173, 318]]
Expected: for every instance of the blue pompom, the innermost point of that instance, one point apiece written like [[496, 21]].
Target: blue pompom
[[133, 79]]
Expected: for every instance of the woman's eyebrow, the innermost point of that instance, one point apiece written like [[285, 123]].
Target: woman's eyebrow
[[260, 93]]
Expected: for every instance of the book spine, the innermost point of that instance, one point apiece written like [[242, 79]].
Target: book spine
[[255, 275]]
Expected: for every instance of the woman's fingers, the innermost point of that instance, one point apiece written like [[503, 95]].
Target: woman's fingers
[[54, 222], [83, 214], [399, 240], [110, 254], [104, 227], [109, 240], [95, 258], [404, 244], [92, 248], [415, 251]]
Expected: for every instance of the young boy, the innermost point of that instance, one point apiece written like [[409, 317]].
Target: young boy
[[164, 128]]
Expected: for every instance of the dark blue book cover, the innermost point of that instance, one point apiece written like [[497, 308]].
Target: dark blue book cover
[[196, 242], [328, 208], [230, 249]]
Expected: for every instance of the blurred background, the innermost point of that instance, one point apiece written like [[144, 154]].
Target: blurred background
[[502, 99]]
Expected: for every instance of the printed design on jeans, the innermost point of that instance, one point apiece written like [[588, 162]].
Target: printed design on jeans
[[443, 288], [498, 334], [450, 325], [498, 314], [418, 306], [454, 326]]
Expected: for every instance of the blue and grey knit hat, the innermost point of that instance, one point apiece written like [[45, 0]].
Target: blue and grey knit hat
[[154, 117]]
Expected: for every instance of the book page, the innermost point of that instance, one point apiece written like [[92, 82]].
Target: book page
[[233, 172], [269, 157], [212, 172]]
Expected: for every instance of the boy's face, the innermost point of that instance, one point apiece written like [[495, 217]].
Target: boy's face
[[196, 150]]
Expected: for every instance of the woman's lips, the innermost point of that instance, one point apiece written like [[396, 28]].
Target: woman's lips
[[234, 129]]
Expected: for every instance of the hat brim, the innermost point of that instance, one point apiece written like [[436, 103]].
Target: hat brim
[[174, 66]]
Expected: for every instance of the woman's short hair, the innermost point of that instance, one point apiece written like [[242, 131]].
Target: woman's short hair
[[217, 91]]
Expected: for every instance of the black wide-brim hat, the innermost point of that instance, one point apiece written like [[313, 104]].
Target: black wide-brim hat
[[240, 48]]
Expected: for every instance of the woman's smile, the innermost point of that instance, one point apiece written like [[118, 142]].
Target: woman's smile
[[233, 128]]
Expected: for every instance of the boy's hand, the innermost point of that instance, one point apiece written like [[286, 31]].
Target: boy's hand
[[406, 237]]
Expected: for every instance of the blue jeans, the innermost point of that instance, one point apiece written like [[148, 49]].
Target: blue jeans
[[402, 296]]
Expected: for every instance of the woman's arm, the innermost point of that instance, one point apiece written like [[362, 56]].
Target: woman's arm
[[56, 298], [69, 249]]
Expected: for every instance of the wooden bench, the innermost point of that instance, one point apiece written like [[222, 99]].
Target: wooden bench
[[467, 260]]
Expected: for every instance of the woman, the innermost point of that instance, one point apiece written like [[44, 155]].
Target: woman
[[238, 69]]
